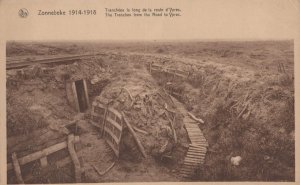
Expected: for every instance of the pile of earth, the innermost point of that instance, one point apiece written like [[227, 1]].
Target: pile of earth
[[132, 90]]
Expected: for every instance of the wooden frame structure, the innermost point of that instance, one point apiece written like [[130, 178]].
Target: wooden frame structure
[[72, 94], [42, 156], [110, 123]]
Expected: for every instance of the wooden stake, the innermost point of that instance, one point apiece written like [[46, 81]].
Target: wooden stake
[[74, 158], [139, 144], [44, 162]]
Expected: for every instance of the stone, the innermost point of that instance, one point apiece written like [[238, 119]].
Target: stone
[[236, 160]]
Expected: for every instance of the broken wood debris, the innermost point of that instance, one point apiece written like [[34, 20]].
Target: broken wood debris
[[140, 130], [195, 118], [138, 142]]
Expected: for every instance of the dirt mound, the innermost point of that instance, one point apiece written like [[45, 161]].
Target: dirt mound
[[133, 91]]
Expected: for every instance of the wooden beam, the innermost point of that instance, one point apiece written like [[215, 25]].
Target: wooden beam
[[86, 94], [17, 169], [75, 96], [138, 142], [74, 158]]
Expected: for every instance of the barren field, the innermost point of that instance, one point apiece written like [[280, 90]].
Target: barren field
[[240, 95]]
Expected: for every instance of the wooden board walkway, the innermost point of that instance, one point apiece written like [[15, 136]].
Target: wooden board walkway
[[195, 155]]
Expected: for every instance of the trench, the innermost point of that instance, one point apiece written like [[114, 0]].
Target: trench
[[147, 92]]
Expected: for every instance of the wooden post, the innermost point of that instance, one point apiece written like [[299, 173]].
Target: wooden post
[[139, 144], [44, 162], [75, 96], [104, 121], [74, 158], [17, 168], [86, 94]]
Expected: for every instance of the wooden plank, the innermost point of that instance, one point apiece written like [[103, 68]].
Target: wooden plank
[[200, 138], [194, 132], [112, 135], [191, 126], [197, 152], [195, 136], [115, 112], [199, 147], [195, 165], [198, 142], [195, 157], [189, 120], [193, 161], [112, 146], [17, 169], [113, 122], [195, 146], [74, 158]]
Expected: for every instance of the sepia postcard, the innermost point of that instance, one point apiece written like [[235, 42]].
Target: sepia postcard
[[139, 91]]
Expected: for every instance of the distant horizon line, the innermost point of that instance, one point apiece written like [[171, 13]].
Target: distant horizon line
[[155, 40]]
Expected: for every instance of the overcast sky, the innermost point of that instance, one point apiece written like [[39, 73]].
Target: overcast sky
[[209, 19]]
